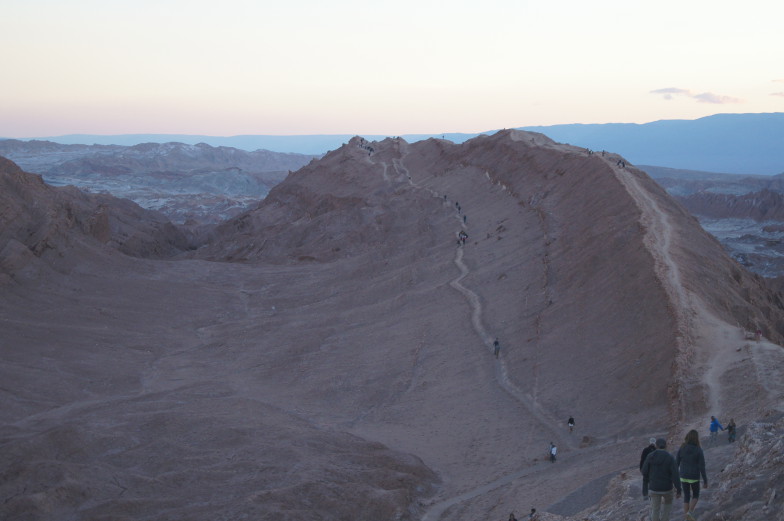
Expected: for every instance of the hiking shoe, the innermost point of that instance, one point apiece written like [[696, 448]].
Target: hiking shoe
[[690, 517]]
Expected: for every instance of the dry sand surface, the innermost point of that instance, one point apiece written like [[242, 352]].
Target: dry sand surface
[[329, 355]]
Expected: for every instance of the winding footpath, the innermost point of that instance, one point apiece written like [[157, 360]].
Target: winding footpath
[[502, 377], [689, 313]]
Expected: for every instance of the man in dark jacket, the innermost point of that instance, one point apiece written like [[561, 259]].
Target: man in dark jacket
[[661, 473], [647, 450]]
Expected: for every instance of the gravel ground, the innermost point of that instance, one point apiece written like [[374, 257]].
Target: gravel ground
[[586, 496]]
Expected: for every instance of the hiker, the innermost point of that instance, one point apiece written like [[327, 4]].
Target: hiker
[[496, 347], [661, 472], [553, 451], [570, 423], [512, 517], [465, 218], [645, 452], [532, 516], [731, 431], [691, 463], [714, 429]]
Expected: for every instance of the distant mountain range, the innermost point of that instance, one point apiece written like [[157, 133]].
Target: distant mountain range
[[197, 183], [727, 143]]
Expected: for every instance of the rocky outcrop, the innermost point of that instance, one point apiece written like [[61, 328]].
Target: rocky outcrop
[[765, 205], [42, 219]]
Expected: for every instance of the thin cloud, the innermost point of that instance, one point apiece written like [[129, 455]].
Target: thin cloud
[[670, 92], [709, 97], [704, 97]]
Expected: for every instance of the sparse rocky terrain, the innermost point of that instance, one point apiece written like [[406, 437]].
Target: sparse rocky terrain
[[328, 354], [188, 183], [745, 212]]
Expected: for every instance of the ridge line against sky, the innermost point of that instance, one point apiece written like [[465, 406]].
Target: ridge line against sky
[[243, 67]]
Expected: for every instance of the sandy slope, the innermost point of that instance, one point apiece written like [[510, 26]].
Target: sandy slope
[[341, 367]]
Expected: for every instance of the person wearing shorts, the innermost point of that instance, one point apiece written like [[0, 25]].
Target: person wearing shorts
[[691, 467]]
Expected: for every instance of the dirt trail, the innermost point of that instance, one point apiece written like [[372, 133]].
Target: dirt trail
[[710, 341], [545, 422], [709, 347], [501, 372]]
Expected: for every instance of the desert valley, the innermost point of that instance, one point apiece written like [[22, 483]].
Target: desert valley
[[327, 353]]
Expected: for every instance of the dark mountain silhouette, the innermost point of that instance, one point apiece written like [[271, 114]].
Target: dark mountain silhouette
[[730, 143], [329, 353]]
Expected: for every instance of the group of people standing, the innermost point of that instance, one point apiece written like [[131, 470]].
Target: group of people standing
[[665, 477], [715, 427]]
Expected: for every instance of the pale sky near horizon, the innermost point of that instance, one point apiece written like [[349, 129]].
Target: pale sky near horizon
[[363, 67]]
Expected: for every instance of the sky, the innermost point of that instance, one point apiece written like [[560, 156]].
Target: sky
[[292, 67]]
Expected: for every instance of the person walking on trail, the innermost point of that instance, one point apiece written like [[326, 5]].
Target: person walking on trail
[[512, 517], [645, 452], [691, 464], [714, 429], [496, 347], [731, 428], [553, 451], [570, 423], [661, 472], [532, 516]]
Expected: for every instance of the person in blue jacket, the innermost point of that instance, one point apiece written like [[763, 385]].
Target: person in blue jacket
[[714, 429]]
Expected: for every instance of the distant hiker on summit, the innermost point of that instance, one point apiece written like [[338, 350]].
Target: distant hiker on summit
[[570, 423], [553, 451], [496, 347], [714, 429], [661, 472], [512, 517]]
